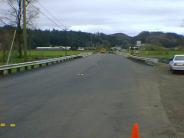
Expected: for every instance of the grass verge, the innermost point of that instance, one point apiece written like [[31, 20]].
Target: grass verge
[[37, 55]]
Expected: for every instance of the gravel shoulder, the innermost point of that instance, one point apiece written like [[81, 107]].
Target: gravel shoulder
[[172, 96], [171, 87]]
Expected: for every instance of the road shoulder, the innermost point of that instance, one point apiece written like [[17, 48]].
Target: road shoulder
[[172, 95]]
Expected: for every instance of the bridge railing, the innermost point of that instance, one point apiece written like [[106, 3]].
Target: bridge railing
[[8, 69]]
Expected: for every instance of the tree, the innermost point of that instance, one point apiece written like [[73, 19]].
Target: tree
[[15, 18], [5, 37]]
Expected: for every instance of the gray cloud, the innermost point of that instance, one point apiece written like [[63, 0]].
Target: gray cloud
[[110, 16]]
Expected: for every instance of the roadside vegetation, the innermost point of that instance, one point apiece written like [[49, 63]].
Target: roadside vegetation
[[159, 52], [37, 55]]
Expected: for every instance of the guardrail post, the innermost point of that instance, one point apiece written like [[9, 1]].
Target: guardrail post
[[2, 72], [26, 67], [32, 66], [9, 71], [18, 69]]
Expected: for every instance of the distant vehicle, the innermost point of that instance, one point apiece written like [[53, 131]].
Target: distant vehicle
[[103, 50], [177, 63], [111, 52]]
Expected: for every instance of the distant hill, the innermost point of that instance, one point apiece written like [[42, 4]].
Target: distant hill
[[120, 39], [168, 40], [120, 35]]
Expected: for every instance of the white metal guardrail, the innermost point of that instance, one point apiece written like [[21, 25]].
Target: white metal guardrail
[[7, 69]]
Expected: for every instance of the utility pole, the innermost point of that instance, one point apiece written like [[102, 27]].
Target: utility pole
[[11, 47], [25, 28], [19, 31], [66, 40], [91, 40]]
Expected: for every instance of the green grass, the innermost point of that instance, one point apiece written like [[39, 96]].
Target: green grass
[[38, 55], [50, 54], [160, 52], [164, 53]]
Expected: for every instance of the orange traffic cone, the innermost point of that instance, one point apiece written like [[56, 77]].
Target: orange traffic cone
[[135, 131]]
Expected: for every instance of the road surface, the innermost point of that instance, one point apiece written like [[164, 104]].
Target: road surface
[[99, 96]]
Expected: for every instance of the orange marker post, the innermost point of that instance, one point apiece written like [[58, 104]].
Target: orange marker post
[[135, 131]]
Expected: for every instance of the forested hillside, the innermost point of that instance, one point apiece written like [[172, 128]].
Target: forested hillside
[[82, 39], [44, 38]]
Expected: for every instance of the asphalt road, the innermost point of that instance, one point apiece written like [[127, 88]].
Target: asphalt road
[[100, 96]]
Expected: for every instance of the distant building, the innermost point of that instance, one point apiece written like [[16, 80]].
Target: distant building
[[81, 49], [54, 48], [133, 48], [49, 48], [90, 48], [67, 48], [137, 46]]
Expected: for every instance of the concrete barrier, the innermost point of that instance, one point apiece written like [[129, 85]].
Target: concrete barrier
[[148, 61]]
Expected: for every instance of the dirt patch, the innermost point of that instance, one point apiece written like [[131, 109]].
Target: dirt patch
[[172, 95]]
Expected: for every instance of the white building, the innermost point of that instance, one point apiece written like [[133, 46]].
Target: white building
[[54, 48], [80, 49]]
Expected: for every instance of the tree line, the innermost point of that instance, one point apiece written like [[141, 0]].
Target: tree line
[[81, 39], [75, 39]]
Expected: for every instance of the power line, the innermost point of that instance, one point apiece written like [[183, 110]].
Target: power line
[[46, 9], [49, 18], [1, 20], [52, 20]]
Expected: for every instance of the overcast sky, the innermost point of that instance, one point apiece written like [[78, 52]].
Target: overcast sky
[[113, 16]]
